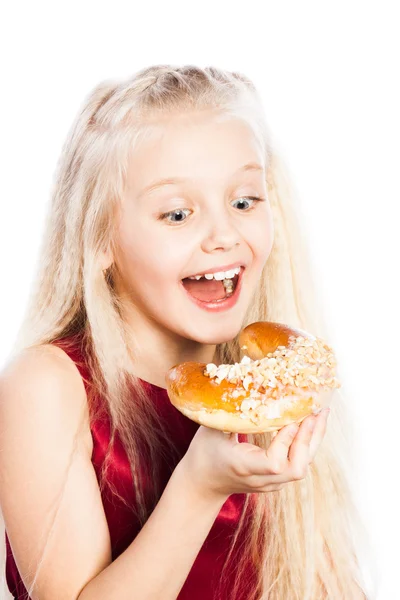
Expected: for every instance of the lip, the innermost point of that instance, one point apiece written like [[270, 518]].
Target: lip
[[217, 269], [215, 307]]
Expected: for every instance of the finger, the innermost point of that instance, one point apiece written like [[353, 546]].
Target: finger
[[275, 459], [246, 459], [299, 453], [211, 433], [231, 436], [277, 453], [319, 432]]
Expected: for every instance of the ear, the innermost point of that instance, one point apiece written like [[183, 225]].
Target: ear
[[106, 259]]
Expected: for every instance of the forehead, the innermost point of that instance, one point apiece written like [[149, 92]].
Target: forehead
[[193, 146]]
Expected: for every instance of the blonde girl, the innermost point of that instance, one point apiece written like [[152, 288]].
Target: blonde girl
[[106, 490]]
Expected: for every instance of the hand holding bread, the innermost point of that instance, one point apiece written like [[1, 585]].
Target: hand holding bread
[[216, 465]]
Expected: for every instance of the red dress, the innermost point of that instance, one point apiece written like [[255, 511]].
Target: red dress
[[201, 581]]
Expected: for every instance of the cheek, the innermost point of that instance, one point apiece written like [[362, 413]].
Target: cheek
[[147, 256], [268, 239], [260, 237]]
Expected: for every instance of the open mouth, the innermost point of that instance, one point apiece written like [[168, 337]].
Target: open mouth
[[212, 290]]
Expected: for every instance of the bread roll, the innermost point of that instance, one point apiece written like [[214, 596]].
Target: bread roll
[[285, 375]]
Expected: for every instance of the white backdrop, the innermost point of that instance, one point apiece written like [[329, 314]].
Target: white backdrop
[[328, 75]]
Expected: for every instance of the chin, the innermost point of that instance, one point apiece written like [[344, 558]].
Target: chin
[[215, 333]]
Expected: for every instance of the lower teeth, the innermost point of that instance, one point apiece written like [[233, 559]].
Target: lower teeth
[[228, 285]]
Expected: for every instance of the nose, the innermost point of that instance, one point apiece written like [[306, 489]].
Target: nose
[[221, 235]]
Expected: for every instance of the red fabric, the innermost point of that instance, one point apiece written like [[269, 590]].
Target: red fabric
[[201, 581]]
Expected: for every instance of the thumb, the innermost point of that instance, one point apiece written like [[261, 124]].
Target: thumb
[[231, 436]]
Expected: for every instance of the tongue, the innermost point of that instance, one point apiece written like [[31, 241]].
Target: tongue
[[205, 290]]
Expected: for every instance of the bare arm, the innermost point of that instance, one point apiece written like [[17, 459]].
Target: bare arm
[[158, 561], [42, 406]]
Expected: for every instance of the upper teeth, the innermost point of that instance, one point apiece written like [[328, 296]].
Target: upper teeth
[[219, 275]]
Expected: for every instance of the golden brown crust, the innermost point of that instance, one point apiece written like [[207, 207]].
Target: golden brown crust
[[262, 337], [189, 388], [236, 402]]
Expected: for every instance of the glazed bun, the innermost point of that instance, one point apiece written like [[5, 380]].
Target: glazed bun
[[285, 375]]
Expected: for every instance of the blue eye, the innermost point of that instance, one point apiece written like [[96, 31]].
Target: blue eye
[[180, 212], [253, 199]]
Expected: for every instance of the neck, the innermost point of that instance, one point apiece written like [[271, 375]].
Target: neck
[[156, 350]]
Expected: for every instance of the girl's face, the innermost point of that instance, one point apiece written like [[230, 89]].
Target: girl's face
[[200, 220]]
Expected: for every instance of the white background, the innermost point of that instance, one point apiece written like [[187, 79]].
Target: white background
[[327, 72]]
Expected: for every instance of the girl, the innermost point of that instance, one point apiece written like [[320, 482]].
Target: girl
[[107, 491]]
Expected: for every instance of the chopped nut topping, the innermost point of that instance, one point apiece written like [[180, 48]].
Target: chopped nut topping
[[275, 381]]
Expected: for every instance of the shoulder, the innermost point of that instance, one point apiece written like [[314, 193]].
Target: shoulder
[[43, 382], [50, 497]]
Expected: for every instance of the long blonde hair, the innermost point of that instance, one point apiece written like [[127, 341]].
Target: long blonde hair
[[306, 538]]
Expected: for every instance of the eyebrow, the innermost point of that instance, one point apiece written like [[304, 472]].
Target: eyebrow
[[175, 180]]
